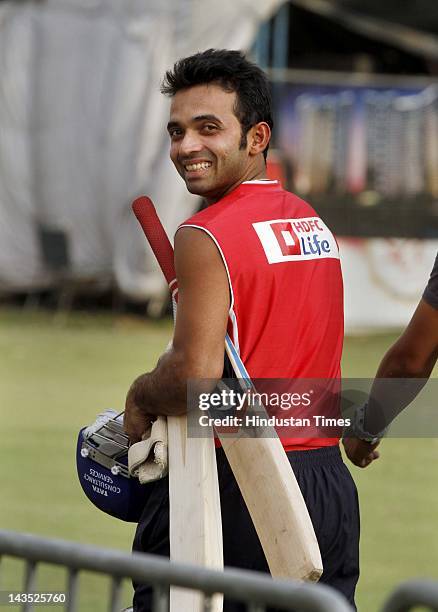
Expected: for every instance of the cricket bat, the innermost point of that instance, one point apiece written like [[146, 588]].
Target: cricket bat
[[194, 505], [272, 495], [263, 473]]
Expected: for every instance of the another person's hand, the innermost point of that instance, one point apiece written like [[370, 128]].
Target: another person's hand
[[359, 452], [135, 420]]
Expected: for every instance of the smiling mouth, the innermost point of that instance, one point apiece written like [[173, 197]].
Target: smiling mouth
[[196, 167]]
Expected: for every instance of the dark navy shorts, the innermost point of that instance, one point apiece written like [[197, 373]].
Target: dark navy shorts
[[331, 499]]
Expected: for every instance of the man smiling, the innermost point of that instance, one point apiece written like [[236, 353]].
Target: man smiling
[[259, 264], [208, 148]]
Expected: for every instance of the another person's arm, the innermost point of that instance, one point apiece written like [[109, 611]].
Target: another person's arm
[[197, 350], [416, 351], [412, 357]]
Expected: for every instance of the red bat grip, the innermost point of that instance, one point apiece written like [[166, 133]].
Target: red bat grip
[[147, 216]]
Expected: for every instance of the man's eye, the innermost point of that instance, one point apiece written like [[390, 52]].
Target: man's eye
[[175, 132], [209, 127]]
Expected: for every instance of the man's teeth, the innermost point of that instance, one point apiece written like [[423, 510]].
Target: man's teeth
[[201, 166]]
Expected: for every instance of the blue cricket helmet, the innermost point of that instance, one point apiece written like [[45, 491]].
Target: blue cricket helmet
[[102, 465]]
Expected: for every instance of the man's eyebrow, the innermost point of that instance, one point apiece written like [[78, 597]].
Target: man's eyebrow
[[197, 119], [207, 118]]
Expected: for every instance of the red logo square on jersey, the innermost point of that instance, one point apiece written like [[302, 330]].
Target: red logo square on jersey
[[286, 237]]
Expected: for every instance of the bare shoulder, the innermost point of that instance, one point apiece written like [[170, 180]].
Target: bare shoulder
[[197, 253], [189, 239]]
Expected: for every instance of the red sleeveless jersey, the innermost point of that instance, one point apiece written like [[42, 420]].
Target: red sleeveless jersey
[[286, 315]]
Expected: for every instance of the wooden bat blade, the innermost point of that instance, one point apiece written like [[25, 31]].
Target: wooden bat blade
[[195, 519], [272, 495], [276, 505]]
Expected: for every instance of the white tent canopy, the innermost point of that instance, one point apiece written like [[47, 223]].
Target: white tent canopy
[[82, 128]]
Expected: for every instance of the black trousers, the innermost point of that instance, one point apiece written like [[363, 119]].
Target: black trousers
[[331, 499]]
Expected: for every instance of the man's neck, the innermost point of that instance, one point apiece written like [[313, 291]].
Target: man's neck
[[255, 175]]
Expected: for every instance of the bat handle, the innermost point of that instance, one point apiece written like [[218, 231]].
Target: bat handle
[[151, 225]]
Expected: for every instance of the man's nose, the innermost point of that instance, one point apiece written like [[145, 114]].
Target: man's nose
[[190, 143]]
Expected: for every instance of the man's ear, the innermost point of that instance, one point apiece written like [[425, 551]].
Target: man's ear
[[258, 138]]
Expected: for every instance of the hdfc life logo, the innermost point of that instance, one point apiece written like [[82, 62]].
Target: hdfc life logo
[[296, 239]]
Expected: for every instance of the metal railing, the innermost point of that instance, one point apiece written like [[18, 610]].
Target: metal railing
[[411, 594], [255, 589]]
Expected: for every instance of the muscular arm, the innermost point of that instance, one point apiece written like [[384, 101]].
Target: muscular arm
[[197, 350]]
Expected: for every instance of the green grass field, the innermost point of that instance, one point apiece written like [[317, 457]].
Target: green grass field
[[56, 378]]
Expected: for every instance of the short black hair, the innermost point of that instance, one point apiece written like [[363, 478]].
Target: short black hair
[[233, 72]]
